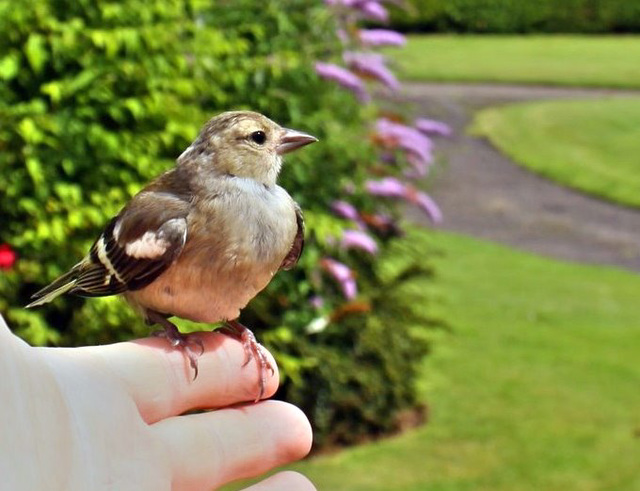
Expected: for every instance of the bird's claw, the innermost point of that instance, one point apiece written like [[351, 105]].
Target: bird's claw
[[252, 350], [185, 342]]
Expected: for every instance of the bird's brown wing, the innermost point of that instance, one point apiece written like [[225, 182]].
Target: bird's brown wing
[[133, 250], [291, 259], [136, 246]]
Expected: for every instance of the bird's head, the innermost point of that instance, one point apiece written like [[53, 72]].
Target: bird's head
[[244, 144]]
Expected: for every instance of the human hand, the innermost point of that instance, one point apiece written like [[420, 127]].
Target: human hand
[[107, 418]]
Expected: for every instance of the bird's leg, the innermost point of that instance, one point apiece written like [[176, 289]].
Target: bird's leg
[[178, 339], [252, 349]]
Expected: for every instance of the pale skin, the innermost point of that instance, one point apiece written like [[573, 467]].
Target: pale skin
[[109, 418]]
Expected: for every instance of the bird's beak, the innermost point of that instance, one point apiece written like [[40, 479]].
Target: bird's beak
[[292, 139]]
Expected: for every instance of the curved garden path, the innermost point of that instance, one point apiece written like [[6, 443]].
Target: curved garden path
[[483, 194]]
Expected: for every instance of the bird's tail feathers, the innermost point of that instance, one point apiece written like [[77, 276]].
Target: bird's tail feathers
[[58, 287]]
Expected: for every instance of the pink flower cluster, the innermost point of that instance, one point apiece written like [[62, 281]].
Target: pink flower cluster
[[343, 275], [391, 187], [380, 37], [357, 239], [368, 9], [371, 65], [432, 127], [382, 224], [359, 66], [416, 144], [343, 77]]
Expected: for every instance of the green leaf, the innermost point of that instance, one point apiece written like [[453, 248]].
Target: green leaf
[[53, 90], [9, 66], [36, 52], [34, 168], [29, 131]]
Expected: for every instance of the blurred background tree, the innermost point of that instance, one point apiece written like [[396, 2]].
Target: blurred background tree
[[98, 97], [516, 16]]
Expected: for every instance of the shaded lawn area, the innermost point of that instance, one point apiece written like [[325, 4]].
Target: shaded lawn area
[[590, 145], [596, 61], [535, 387]]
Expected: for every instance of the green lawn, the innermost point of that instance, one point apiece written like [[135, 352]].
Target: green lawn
[[591, 145], [605, 61], [535, 388]]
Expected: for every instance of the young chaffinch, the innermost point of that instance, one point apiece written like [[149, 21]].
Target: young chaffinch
[[202, 239]]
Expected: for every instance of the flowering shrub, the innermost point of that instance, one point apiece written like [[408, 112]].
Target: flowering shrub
[[398, 142], [98, 97]]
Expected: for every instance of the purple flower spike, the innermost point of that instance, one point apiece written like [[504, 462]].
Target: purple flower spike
[[389, 187], [371, 65], [430, 126], [381, 37], [345, 210], [405, 137], [343, 77], [350, 289], [394, 188], [419, 167], [344, 3], [343, 275], [425, 203], [356, 239], [373, 10], [383, 224]]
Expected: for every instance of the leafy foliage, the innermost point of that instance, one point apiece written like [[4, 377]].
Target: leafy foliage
[[358, 373], [515, 16], [98, 97]]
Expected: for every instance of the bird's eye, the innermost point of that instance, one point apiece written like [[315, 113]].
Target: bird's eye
[[259, 137]]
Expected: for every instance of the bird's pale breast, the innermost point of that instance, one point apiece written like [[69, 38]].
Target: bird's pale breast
[[236, 240]]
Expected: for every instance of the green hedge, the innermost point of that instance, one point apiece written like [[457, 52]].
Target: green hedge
[[97, 97], [517, 16]]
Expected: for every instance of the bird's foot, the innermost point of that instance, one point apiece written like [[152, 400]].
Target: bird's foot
[[252, 350], [190, 346]]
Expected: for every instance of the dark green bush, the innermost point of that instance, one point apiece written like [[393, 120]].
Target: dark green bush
[[516, 16], [357, 373], [97, 97]]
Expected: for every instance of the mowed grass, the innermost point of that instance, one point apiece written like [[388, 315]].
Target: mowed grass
[[536, 387], [601, 61], [591, 145]]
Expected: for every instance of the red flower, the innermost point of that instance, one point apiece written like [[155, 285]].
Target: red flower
[[7, 257]]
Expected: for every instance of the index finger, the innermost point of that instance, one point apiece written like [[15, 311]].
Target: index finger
[[159, 379]]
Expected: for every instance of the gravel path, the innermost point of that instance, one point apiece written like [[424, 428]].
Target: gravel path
[[483, 194]]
